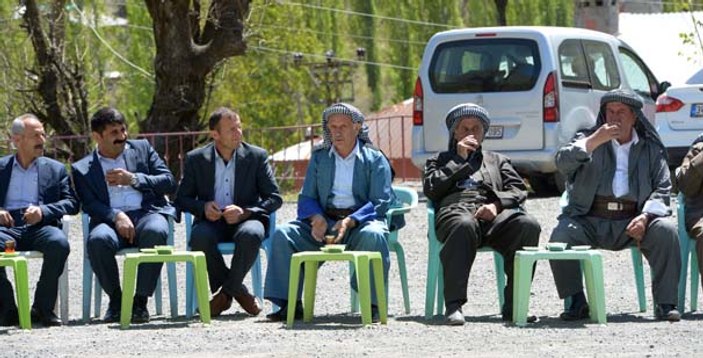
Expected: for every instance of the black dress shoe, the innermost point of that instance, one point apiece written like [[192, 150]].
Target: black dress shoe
[[10, 318], [140, 314], [576, 313], [667, 313], [282, 314], [112, 315], [46, 318]]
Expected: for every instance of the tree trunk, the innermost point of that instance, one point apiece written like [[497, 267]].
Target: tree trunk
[[186, 54], [501, 6]]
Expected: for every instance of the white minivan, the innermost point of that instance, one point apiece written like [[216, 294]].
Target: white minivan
[[539, 84]]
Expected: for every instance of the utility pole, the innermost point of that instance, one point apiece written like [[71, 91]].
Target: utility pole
[[333, 76]]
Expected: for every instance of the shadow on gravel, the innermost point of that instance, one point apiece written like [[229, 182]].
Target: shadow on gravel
[[325, 323]]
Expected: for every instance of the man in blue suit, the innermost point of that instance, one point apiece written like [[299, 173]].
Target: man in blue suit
[[346, 193], [230, 189], [122, 186], [35, 194]]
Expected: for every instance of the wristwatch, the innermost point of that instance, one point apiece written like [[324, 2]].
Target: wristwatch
[[133, 182]]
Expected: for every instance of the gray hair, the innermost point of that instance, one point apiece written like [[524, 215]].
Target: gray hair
[[18, 123]]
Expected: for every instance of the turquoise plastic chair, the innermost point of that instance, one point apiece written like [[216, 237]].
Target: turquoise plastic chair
[[408, 199], [89, 285], [435, 275], [226, 248], [688, 249], [637, 265]]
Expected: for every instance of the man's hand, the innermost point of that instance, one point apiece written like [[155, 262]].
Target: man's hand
[[32, 215], [118, 176], [637, 227], [124, 227], [212, 211], [341, 227], [603, 134], [487, 212], [466, 146], [234, 214], [6, 219], [319, 227]]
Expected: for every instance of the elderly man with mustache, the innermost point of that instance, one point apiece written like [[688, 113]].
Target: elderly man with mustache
[[618, 189], [35, 194], [122, 186]]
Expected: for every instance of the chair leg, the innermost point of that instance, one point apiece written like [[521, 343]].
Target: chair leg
[[694, 279], [309, 286], [593, 272], [684, 245], [499, 264], [400, 257], [87, 288], [129, 284], [158, 298], [256, 281], [63, 294], [22, 290], [98, 297], [172, 288], [190, 291], [353, 296], [639, 277], [293, 281]]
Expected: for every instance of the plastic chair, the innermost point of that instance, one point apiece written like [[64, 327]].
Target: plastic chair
[[435, 274], [88, 277], [637, 266], [688, 248], [19, 266], [227, 248], [132, 260], [359, 259], [62, 302], [409, 199]]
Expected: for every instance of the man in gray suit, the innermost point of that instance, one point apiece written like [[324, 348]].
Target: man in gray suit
[[122, 186], [229, 187], [35, 194]]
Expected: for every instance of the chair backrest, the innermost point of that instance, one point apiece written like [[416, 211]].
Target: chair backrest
[[405, 195]]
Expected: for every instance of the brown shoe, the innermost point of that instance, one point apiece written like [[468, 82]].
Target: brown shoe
[[219, 303], [249, 303]]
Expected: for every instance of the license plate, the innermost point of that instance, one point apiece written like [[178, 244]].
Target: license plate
[[697, 110], [496, 132]]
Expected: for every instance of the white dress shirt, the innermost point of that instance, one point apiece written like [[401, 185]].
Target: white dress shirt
[[122, 197], [342, 195]]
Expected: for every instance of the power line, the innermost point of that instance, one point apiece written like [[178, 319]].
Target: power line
[[349, 12], [343, 34], [110, 48], [380, 64]]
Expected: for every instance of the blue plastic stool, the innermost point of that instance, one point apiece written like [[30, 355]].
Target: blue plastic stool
[[688, 249], [435, 274], [88, 277], [227, 248]]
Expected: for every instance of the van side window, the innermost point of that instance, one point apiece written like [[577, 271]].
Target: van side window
[[639, 77], [490, 65], [588, 64]]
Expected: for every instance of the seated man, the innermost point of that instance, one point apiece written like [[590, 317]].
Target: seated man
[[618, 188], [477, 196], [35, 194], [690, 180], [229, 188], [122, 186], [346, 193]]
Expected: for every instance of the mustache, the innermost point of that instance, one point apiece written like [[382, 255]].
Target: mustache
[[39, 146], [119, 141]]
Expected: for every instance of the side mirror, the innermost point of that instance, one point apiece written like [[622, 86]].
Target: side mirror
[[663, 87]]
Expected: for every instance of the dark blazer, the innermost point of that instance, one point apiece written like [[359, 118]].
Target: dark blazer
[[56, 197], [154, 181], [255, 187]]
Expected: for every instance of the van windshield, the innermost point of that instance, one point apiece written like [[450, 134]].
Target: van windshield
[[485, 65]]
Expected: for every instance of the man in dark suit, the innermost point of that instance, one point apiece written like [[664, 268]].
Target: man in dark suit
[[35, 194], [229, 187], [122, 186]]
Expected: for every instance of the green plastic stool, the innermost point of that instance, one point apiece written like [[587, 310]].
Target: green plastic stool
[[360, 260], [19, 266], [129, 281], [592, 264]]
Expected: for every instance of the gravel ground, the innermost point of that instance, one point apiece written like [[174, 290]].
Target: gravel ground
[[335, 331]]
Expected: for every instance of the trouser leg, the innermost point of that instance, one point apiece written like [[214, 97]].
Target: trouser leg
[[150, 230], [53, 244], [101, 246], [247, 238], [660, 246], [461, 234], [205, 237], [371, 236], [567, 273]]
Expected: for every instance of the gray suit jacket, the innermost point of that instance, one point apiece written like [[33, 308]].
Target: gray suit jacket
[[56, 197], [255, 187]]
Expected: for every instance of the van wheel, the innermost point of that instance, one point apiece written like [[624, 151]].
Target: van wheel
[[542, 185]]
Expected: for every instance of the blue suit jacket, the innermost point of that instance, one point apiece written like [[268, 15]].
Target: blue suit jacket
[[154, 181], [56, 197], [371, 187], [255, 187]]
